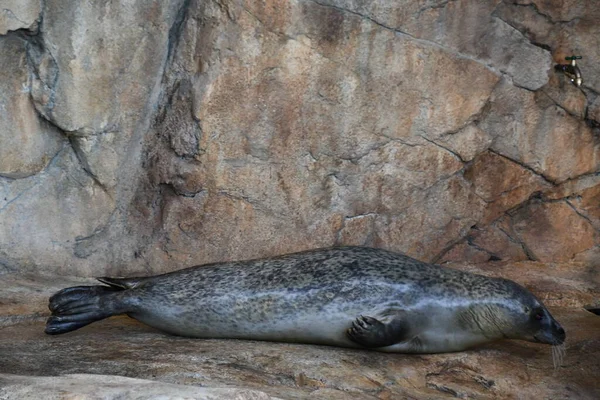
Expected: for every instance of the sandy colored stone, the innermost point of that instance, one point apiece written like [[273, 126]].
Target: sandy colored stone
[[35, 234], [19, 14], [489, 243], [464, 251], [357, 230], [498, 244], [486, 39], [530, 129], [100, 79], [467, 142], [572, 187], [107, 387], [554, 231], [27, 143], [502, 183], [204, 131], [432, 222], [568, 28], [588, 203], [594, 110], [566, 95]]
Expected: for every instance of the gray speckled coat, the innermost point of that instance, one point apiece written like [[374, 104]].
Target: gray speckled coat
[[317, 296]]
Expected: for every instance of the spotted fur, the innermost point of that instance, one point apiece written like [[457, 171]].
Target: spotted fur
[[316, 296]]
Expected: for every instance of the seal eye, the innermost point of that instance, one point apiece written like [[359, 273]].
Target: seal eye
[[539, 316]]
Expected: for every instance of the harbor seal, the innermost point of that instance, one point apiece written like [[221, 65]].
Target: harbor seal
[[345, 296]]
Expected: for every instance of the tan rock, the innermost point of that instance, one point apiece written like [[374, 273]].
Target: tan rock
[[88, 386], [464, 252], [588, 204], [489, 243], [531, 130], [497, 243], [572, 187], [594, 110], [27, 143], [19, 14], [425, 230], [468, 142], [566, 95], [554, 231], [207, 131], [486, 40], [568, 28], [501, 183], [75, 209]]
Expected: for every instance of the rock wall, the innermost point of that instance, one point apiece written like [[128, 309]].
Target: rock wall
[[147, 136]]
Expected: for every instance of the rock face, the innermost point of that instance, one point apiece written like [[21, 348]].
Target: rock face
[[144, 137], [82, 386]]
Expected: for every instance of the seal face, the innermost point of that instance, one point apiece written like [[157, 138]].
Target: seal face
[[346, 296]]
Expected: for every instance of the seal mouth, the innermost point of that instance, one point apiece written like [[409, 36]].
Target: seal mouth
[[551, 341]]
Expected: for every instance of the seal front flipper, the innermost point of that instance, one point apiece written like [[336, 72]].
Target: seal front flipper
[[372, 333]]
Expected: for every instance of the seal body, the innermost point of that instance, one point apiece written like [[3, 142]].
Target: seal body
[[348, 296]]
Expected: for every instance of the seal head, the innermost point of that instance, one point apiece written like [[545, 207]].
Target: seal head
[[528, 319]]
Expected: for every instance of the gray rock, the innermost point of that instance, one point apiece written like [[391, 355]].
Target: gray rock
[[19, 14], [27, 143], [107, 387], [203, 131]]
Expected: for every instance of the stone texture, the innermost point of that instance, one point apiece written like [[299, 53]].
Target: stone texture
[[19, 14], [106, 387], [28, 143], [467, 142], [95, 84], [594, 110], [123, 349], [490, 243], [200, 131], [65, 191], [468, 28], [554, 231], [501, 183], [531, 129], [568, 28]]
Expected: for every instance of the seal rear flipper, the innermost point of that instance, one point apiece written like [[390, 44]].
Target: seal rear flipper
[[372, 333], [76, 307]]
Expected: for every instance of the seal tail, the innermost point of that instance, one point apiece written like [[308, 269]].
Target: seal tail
[[75, 307]]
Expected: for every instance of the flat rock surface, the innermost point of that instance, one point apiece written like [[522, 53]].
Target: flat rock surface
[[121, 347]]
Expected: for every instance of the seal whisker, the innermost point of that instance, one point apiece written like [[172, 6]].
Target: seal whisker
[[558, 355]]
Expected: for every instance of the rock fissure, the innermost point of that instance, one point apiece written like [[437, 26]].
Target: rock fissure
[[535, 8], [594, 224], [426, 42], [547, 179], [85, 166], [455, 155]]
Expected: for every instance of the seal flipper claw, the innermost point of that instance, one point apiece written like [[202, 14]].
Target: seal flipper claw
[[371, 332]]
